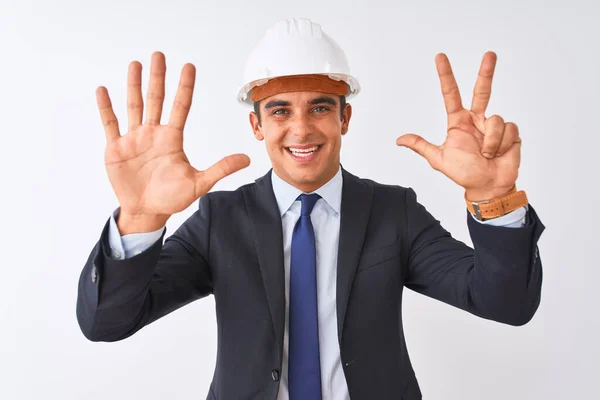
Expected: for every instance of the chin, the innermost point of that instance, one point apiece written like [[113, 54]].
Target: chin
[[306, 174], [306, 177], [308, 181]]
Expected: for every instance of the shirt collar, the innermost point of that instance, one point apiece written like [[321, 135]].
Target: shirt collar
[[286, 194]]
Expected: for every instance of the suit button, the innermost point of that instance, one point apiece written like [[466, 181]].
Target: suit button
[[275, 375], [94, 273]]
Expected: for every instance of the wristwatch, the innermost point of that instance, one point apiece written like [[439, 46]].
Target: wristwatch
[[498, 207]]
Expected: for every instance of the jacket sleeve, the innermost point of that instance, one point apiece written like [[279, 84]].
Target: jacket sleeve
[[500, 279], [118, 297]]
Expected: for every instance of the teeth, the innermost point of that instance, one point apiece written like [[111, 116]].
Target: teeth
[[302, 155], [304, 151]]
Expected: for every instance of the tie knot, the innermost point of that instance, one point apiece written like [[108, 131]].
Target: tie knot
[[308, 202]]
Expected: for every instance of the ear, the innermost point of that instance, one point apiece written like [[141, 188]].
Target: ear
[[256, 128], [346, 118]]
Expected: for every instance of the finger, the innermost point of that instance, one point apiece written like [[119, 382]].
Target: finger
[[510, 137], [416, 143], [107, 115], [514, 152], [183, 98], [483, 86], [493, 132], [450, 90], [156, 89], [135, 103], [222, 168]]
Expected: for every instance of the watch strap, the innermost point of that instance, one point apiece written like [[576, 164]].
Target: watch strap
[[498, 207]]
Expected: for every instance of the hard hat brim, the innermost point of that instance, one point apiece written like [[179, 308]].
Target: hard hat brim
[[244, 96]]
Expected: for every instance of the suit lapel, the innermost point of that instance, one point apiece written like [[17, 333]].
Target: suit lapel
[[266, 221], [356, 205]]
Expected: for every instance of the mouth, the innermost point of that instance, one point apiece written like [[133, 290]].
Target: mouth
[[304, 153]]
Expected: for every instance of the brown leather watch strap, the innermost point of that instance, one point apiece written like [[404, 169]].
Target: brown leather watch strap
[[494, 208]]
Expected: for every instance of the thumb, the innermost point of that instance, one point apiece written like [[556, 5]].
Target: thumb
[[205, 180], [421, 146]]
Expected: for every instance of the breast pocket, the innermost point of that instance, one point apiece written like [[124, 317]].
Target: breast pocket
[[377, 256]]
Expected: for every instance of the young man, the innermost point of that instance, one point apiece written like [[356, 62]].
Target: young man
[[307, 264]]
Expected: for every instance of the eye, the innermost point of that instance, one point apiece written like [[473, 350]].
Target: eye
[[320, 109], [280, 111]]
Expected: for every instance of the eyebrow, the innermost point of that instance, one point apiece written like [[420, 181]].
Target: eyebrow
[[318, 100], [277, 103], [323, 99]]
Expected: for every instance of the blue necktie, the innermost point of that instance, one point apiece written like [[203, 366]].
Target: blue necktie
[[304, 374]]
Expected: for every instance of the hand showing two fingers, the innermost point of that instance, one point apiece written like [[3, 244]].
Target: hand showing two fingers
[[480, 154]]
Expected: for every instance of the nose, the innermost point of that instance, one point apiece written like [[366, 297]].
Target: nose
[[301, 126]]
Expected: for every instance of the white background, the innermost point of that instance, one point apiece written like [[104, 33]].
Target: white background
[[55, 195]]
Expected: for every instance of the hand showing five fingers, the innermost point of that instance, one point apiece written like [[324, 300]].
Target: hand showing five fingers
[[480, 154], [147, 167]]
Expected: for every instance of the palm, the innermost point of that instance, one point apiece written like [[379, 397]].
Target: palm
[[147, 166], [470, 135], [149, 171]]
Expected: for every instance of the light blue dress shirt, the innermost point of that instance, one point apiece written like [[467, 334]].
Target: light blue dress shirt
[[325, 218]]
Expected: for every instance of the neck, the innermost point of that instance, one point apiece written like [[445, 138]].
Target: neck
[[308, 187]]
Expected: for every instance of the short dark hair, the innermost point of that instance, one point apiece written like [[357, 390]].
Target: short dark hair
[[342, 107]]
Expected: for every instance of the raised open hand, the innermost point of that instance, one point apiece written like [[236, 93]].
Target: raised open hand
[[480, 154], [147, 167]]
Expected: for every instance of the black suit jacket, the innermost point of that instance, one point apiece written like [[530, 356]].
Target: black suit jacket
[[232, 247]]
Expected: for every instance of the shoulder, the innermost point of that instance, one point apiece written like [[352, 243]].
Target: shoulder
[[380, 189], [226, 197], [237, 198]]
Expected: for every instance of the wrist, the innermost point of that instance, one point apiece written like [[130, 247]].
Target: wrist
[[480, 195], [140, 223], [497, 205]]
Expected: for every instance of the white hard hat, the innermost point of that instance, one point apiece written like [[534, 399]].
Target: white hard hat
[[295, 47]]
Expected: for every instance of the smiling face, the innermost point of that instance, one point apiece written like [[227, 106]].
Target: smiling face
[[303, 135]]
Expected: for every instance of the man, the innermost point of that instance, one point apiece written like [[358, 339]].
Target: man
[[307, 264]]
